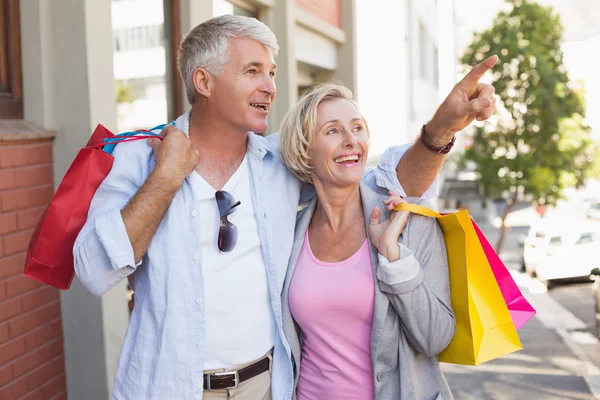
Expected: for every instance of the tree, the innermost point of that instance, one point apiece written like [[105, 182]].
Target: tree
[[537, 143]]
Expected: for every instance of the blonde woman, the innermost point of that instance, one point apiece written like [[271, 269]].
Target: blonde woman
[[366, 304]]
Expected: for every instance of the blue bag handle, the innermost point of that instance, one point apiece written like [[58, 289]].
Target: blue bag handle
[[111, 143]]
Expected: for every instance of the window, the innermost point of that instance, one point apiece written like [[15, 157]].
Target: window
[[235, 7], [436, 68], [423, 46], [11, 92]]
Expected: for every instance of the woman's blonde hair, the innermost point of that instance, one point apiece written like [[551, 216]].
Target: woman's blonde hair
[[299, 126]]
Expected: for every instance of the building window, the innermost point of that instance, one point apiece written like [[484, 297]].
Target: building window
[[11, 91], [436, 68], [235, 7], [423, 47]]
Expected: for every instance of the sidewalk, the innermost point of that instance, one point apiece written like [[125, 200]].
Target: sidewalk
[[547, 367]]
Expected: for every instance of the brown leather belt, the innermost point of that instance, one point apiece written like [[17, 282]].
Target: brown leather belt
[[231, 379]]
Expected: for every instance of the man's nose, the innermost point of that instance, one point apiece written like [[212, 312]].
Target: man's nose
[[268, 86]]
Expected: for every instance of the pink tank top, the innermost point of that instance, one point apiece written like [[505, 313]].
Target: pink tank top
[[333, 305]]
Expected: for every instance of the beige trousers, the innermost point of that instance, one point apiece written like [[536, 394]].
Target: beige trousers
[[256, 388]]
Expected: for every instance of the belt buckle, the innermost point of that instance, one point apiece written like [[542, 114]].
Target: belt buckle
[[236, 378]]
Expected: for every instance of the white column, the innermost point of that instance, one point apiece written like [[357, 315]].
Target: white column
[[69, 86], [346, 71], [282, 22]]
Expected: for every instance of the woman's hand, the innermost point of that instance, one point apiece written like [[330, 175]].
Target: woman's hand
[[384, 236]]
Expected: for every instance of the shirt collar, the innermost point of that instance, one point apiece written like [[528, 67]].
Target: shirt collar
[[257, 145]]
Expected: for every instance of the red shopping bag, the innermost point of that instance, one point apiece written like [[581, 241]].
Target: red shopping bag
[[519, 308], [50, 253]]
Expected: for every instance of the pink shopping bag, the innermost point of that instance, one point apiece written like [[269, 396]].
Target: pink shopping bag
[[519, 308]]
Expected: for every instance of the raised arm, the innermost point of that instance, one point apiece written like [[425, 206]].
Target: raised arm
[[127, 210], [468, 100]]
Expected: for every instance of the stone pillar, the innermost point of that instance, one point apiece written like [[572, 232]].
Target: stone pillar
[[69, 87]]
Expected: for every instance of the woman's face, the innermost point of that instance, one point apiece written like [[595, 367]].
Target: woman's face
[[340, 147]]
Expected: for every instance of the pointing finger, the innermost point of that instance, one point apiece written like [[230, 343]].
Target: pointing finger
[[477, 72]]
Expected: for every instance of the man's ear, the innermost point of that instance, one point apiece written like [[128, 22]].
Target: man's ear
[[202, 82]]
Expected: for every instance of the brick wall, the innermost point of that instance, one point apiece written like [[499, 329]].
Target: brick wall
[[329, 11], [31, 342]]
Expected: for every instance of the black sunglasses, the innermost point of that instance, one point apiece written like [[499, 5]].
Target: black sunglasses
[[228, 233]]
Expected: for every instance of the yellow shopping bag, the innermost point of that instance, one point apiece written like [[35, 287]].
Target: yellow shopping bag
[[484, 328]]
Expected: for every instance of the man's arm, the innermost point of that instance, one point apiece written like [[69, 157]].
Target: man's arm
[[175, 160], [125, 214], [468, 100]]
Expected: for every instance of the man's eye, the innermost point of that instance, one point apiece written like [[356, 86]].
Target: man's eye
[[251, 71], [272, 74]]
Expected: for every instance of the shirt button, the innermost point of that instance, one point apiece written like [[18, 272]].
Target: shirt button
[[380, 377], [200, 344], [196, 257], [198, 300], [194, 213], [199, 387]]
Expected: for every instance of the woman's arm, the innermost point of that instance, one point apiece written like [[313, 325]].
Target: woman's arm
[[417, 285]]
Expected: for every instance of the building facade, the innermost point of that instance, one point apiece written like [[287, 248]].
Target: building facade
[[67, 65]]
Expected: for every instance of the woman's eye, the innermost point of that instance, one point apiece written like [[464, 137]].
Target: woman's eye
[[332, 131], [357, 128]]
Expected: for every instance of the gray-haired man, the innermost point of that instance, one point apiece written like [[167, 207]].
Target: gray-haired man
[[202, 224]]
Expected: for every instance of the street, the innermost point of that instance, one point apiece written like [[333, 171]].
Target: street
[[561, 354]]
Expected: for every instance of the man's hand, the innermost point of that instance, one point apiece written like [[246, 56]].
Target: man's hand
[[175, 155], [467, 101]]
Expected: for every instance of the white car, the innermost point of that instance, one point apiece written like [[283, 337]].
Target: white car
[[567, 255], [593, 212]]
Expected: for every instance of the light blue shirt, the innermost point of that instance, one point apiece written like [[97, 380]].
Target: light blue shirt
[[163, 353]]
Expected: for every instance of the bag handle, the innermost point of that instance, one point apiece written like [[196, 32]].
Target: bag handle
[[416, 209]]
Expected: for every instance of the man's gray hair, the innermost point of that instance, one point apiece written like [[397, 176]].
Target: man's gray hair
[[206, 46]]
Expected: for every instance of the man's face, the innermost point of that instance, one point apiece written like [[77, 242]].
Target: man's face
[[244, 91]]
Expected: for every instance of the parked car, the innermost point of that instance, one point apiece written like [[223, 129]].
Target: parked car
[[593, 211], [533, 244], [595, 276], [567, 255]]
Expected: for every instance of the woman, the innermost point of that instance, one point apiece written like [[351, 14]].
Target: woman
[[366, 304]]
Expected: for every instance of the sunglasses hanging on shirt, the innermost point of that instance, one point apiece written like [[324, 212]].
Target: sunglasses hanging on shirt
[[228, 233]]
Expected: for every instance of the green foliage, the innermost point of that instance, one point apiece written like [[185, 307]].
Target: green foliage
[[540, 143], [123, 92]]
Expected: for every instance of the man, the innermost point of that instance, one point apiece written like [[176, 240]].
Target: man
[[202, 223]]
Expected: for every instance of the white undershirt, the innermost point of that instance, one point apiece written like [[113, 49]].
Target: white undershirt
[[240, 326]]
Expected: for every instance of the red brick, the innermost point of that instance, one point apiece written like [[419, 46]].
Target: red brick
[[11, 350], [34, 395], [45, 372], [10, 266], [39, 356], [45, 334], [17, 242], [7, 179], [33, 319], [329, 11], [10, 308], [61, 396], [14, 390], [8, 223], [3, 294], [1, 247], [29, 218], [27, 198], [37, 298], [3, 333], [34, 176], [20, 155], [54, 387], [20, 284], [5, 375]]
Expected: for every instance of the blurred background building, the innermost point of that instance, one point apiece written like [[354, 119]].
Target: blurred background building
[[67, 65]]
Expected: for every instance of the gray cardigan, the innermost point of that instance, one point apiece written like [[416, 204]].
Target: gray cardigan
[[413, 319]]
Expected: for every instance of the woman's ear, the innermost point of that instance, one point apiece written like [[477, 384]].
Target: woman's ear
[[202, 82]]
